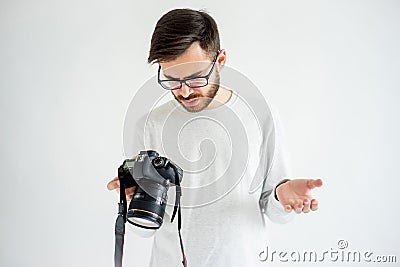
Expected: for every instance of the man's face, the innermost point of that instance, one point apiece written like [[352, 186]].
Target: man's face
[[194, 62]]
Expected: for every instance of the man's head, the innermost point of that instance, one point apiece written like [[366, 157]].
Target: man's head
[[178, 29], [185, 43]]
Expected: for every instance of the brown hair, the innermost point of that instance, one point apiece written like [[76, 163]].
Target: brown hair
[[178, 29]]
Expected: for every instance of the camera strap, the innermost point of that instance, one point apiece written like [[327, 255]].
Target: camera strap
[[177, 207], [121, 220], [120, 228]]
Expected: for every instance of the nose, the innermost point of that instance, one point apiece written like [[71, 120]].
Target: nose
[[185, 90]]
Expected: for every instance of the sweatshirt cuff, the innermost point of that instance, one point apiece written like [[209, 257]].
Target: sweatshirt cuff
[[275, 204], [276, 212]]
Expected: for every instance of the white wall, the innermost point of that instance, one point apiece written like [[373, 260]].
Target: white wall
[[68, 70]]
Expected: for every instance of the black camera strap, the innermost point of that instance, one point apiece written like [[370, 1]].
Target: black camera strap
[[177, 207], [120, 227], [121, 220], [119, 240]]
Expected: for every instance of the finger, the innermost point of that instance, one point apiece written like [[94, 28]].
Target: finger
[[312, 183], [298, 208], [130, 191], [289, 205], [113, 184], [129, 198], [288, 208], [314, 205], [306, 206]]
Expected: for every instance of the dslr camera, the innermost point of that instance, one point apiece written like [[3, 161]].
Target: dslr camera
[[152, 175]]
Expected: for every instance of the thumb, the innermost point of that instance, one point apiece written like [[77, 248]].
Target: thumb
[[312, 183], [113, 184]]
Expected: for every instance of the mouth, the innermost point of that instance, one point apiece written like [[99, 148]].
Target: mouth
[[191, 102]]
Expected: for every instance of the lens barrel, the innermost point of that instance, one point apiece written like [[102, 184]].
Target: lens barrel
[[147, 209]]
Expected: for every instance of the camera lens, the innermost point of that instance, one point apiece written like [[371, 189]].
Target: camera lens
[[146, 211], [144, 221]]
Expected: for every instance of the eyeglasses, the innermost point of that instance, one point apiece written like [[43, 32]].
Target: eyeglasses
[[193, 82]]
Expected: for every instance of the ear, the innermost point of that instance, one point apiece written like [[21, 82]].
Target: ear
[[221, 59]]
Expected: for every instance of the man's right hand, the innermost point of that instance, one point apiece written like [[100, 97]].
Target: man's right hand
[[114, 184]]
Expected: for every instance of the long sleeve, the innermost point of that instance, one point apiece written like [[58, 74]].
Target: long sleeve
[[134, 133], [275, 150]]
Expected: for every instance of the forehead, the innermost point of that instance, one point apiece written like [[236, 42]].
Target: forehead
[[186, 70], [193, 60]]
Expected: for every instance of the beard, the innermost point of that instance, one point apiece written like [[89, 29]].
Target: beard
[[204, 99]]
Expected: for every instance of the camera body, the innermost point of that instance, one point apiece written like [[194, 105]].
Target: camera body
[[152, 175]]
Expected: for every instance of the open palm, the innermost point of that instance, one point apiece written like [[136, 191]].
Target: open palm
[[296, 195]]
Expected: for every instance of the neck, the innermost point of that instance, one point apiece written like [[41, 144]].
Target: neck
[[222, 97]]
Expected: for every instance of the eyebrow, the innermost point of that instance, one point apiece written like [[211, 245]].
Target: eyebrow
[[184, 78]]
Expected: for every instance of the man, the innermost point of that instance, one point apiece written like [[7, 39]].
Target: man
[[221, 223]]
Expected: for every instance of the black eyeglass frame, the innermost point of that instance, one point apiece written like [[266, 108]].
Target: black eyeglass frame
[[188, 79]]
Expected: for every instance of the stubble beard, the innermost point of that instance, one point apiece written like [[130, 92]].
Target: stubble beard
[[204, 100]]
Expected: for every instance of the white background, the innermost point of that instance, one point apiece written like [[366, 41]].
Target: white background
[[69, 69]]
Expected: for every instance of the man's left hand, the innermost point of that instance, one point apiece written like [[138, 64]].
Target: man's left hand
[[296, 195]]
